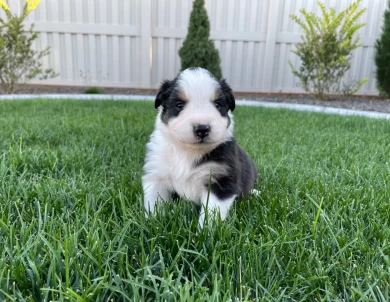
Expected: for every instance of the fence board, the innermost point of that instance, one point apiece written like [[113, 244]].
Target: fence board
[[146, 33]]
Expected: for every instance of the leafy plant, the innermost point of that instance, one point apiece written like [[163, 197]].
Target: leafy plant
[[94, 90], [19, 63], [353, 86], [382, 57], [87, 79], [198, 50], [326, 50]]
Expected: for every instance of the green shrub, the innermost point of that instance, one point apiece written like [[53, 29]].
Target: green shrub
[[326, 50], [382, 57], [19, 63], [198, 50], [94, 90]]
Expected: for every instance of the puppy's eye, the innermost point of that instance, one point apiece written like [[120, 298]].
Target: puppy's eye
[[217, 105], [180, 105]]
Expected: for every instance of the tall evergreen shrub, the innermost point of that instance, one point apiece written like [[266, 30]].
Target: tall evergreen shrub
[[198, 50], [382, 56]]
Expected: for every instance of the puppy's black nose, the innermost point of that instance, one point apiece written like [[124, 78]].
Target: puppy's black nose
[[202, 131]]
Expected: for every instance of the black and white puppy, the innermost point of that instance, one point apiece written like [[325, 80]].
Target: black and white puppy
[[192, 151]]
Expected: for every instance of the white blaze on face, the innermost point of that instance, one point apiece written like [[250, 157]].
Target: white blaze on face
[[199, 90]]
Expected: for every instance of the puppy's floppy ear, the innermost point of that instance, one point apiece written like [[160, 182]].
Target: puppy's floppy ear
[[228, 93], [163, 93]]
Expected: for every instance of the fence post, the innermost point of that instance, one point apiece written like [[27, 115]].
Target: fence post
[[146, 43], [270, 45]]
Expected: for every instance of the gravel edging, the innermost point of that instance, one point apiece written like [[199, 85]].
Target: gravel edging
[[364, 103], [114, 97], [314, 108], [240, 102]]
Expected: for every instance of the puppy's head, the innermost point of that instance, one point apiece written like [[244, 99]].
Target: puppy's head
[[195, 108]]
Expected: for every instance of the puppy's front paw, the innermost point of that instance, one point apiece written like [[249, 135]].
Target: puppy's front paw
[[208, 219]]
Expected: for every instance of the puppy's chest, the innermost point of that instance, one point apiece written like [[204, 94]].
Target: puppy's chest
[[180, 169], [187, 179]]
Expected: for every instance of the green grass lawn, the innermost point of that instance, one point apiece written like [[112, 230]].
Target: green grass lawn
[[72, 224]]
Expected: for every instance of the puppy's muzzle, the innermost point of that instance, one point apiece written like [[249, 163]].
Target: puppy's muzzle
[[202, 131]]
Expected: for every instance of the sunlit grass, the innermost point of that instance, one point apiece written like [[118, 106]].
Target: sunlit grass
[[72, 224]]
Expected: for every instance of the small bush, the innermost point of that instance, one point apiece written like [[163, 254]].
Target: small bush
[[19, 63], [382, 57], [198, 50], [94, 90], [326, 50]]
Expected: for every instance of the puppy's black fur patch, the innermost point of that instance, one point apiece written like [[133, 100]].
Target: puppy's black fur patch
[[228, 94], [168, 98], [164, 93], [242, 173]]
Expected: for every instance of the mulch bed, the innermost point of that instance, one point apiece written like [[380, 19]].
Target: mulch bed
[[366, 103]]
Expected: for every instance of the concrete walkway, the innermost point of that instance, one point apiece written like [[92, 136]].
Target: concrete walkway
[[242, 102]]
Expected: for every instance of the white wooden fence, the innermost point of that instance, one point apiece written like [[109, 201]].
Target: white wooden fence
[[135, 43]]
